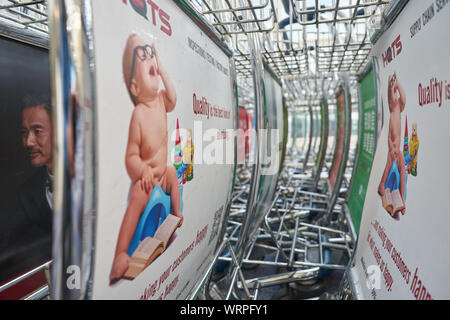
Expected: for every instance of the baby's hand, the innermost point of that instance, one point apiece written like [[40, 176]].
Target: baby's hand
[[157, 58], [392, 154], [395, 154], [181, 219], [119, 267], [147, 179], [394, 78]]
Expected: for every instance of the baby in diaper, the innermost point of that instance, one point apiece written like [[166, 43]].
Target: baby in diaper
[[146, 154]]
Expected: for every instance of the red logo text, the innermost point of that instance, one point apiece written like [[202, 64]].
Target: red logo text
[[158, 16], [392, 52]]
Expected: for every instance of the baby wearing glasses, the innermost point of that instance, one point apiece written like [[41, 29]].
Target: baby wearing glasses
[[146, 154]]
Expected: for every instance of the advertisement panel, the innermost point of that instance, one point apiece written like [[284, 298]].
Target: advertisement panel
[[367, 144], [25, 159], [165, 127], [403, 249], [249, 141], [242, 138], [285, 124], [274, 119], [340, 135], [316, 132], [272, 146]]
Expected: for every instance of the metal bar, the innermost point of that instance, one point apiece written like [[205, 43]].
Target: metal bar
[[29, 36], [299, 275], [34, 21], [256, 20], [208, 271], [231, 285], [320, 247], [344, 7], [21, 4], [10, 18], [30, 7], [24, 276], [40, 294], [257, 287], [294, 242], [236, 263], [231, 9], [256, 168]]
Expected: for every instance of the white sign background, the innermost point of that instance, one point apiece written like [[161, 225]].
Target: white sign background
[[420, 237], [113, 22]]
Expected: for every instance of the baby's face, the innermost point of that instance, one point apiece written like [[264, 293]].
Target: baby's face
[[145, 70]]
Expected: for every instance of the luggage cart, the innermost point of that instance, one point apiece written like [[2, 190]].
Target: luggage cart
[[295, 58], [311, 237], [348, 289], [296, 251], [290, 57]]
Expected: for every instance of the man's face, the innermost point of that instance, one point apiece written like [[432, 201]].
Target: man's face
[[37, 136]]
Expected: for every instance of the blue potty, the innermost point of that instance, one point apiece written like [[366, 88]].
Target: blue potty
[[393, 179], [156, 211]]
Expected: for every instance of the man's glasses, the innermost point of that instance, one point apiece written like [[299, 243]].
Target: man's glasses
[[142, 52]]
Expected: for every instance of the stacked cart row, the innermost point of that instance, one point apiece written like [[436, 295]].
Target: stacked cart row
[[223, 149]]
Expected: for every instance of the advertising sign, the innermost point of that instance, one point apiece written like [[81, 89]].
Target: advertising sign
[[316, 131], [403, 248], [368, 135], [274, 115], [25, 159], [273, 147], [340, 135], [166, 120], [249, 141], [285, 124], [242, 139]]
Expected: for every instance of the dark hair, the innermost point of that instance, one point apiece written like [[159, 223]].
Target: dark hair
[[31, 101]]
